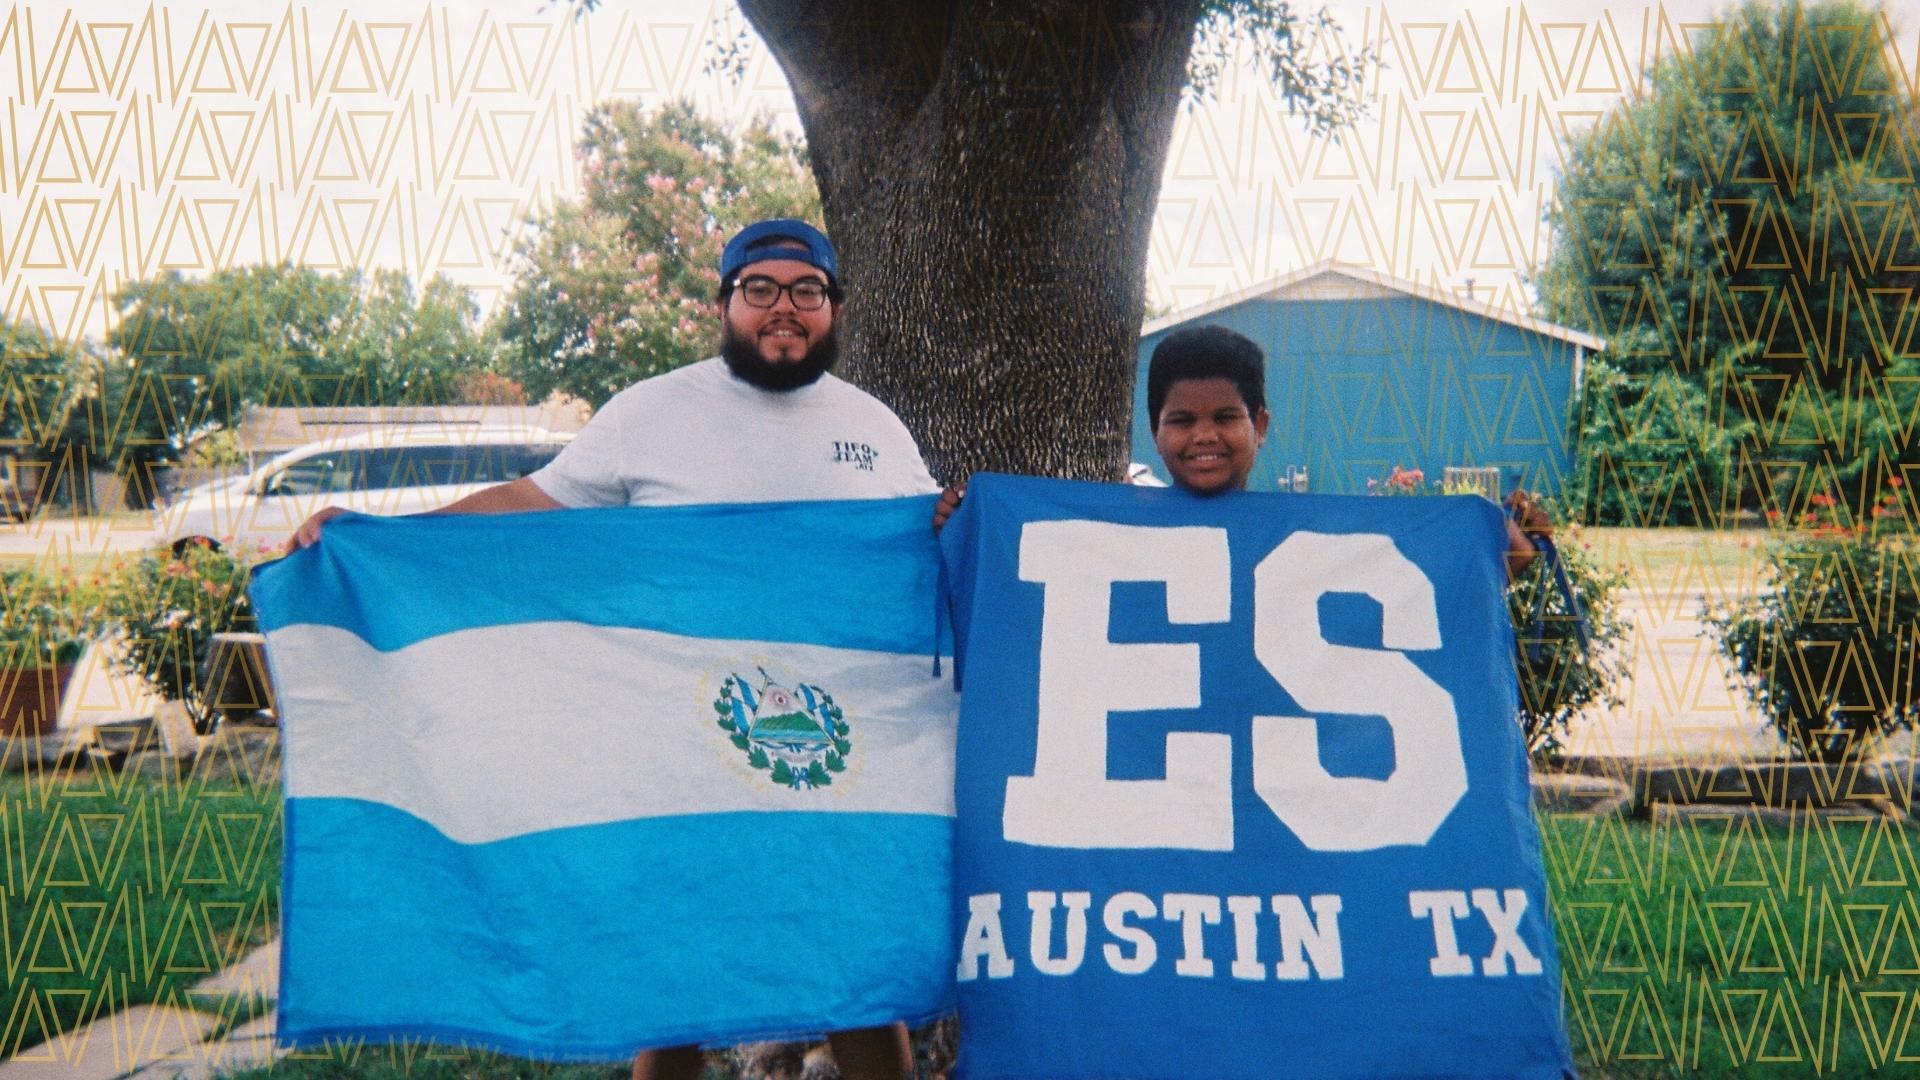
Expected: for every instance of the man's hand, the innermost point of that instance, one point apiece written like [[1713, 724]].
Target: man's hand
[[308, 534], [949, 502], [1525, 520]]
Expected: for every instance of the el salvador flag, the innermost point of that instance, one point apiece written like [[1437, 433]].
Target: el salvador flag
[[572, 784]]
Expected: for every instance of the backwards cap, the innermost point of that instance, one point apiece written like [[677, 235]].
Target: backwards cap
[[741, 253]]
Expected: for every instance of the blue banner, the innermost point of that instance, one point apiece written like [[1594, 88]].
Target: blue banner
[[571, 784], [1241, 790]]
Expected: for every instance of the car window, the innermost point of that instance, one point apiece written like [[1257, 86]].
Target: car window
[[380, 468], [419, 466], [316, 475]]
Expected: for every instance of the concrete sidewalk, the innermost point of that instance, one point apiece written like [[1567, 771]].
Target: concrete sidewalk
[[1677, 705], [151, 1042]]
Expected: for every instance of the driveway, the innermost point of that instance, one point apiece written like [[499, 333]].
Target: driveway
[[1678, 704]]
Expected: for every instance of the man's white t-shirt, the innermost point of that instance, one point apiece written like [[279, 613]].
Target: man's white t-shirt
[[701, 435]]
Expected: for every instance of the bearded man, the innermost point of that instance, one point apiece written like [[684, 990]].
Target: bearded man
[[765, 421]]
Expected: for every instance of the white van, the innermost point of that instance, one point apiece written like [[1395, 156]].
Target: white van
[[389, 471]]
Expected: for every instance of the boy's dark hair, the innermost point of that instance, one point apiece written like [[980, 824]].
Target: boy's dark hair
[[1206, 352]]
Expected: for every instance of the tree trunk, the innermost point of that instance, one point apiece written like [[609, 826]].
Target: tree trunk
[[989, 172]]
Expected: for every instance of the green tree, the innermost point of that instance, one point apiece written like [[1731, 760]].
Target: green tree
[[989, 171], [394, 346], [617, 285], [40, 380], [44, 386], [1651, 451], [1750, 224], [189, 355]]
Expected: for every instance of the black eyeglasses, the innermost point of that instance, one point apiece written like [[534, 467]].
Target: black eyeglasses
[[763, 292]]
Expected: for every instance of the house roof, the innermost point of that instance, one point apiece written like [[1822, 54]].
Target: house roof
[[1330, 280]]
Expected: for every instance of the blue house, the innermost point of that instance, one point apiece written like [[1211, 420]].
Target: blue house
[[1366, 371]]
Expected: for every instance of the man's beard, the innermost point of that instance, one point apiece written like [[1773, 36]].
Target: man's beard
[[744, 360]]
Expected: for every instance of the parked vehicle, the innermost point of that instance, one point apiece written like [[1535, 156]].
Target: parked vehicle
[[381, 472], [19, 490]]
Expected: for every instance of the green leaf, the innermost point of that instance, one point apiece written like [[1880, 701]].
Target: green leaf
[[842, 747], [817, 776], [758, 758], [836, 763], [782, 774], [739, 741]]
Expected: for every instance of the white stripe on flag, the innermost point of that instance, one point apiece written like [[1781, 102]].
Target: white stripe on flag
[[502, 731]]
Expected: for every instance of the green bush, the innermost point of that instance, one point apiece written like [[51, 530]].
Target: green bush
[[1565, 676], [43, 623], [1826, 648], [168, 608]]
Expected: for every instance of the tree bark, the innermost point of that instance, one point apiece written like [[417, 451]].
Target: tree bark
[[989, 170]]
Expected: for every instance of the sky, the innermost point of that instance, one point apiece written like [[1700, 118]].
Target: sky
[[137, 137]]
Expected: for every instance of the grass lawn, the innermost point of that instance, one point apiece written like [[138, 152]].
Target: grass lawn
[[1707, 948], [118, 891], [1676, 560], [1702, 948]]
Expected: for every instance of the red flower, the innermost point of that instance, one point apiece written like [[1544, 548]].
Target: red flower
[[1894, 481], [1821, 499], [1773, 515]]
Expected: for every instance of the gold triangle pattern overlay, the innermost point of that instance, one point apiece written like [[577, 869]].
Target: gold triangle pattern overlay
[[420, 136]]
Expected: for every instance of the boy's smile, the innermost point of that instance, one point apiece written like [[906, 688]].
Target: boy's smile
[[1206, 436]]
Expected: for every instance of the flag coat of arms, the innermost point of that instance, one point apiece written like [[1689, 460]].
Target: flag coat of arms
[[572, 784], [1241, 790]]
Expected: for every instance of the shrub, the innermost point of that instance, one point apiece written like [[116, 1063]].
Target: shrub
[[43, 623], [1559, 676], [1826, 648], [168, 608]]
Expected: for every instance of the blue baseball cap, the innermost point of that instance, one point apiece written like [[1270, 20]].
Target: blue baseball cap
[[818, 254]]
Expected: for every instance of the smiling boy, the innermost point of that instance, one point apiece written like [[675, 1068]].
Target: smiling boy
[[1207, 408]]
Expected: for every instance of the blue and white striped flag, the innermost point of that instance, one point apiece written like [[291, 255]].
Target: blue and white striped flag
[[572, 784]]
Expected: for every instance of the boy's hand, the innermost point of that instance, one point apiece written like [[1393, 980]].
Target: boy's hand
[[1525, 520], [1526, 513], [949, 502], [308, 534]]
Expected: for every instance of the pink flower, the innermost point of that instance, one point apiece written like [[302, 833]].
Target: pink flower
[[659, 184], [176, 568]]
